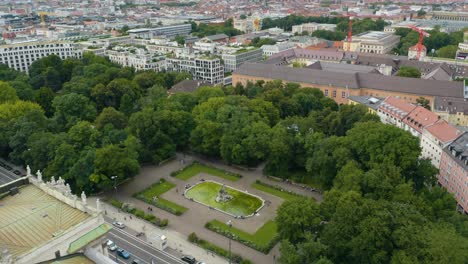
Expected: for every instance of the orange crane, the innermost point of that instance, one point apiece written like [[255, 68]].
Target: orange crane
[[422, 34], [43, 23], [350, 31]]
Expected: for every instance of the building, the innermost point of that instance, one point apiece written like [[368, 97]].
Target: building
[[444, 15], [269, 50], [170, 31], [188, 86], [340, 86], [202, 68], [139, 59], [413, 52], [372, 42], [435, 138], [393, 110], [21, 55], [418, 119], [233, 60], [311, 27], [250, 24], [462, 52], [45, 220], [453, 171], [452, 110], [372, 103]]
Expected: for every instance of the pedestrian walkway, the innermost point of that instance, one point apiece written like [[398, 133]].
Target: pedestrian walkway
[[177, 243], [198, 215]]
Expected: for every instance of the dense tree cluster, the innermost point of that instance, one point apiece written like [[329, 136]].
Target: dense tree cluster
[[84, 120], [359, 25], [258, 42], [204, 30], [444, 44], [383, 206]]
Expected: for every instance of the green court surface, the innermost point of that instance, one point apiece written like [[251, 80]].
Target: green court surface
[[241, 204]]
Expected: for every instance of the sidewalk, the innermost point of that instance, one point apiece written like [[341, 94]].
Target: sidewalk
[[177, 243]]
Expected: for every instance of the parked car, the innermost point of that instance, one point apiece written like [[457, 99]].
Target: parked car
[[123, 253], [189, 259], [111, 245], [119, 224], [136, 261]]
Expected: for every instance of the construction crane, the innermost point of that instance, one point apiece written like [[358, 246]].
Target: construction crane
[[350, 31], [42, 14], [422, 34]]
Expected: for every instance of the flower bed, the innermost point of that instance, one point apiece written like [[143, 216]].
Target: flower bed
[[140, 213], [197, 167]]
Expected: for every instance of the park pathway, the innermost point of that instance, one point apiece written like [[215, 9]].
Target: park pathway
[[195, 218]]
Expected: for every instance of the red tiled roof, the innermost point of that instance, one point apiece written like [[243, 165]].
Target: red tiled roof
[[396, 107], [420, 117], [443, 131]]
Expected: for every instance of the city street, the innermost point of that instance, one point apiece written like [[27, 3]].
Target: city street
[[138, 249]]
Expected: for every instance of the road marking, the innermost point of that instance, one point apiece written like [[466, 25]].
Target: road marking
[[146, 243], [151, 254]]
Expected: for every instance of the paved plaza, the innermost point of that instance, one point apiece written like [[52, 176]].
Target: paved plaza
[[198, 215]]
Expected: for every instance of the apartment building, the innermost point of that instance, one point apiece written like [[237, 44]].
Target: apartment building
[[373, 42], [137, 58], [435, 138], [311, 27], [20, 56], [203, 68], [453, 171], [233, 60]]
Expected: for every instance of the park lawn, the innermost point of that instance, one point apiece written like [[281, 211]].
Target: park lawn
[[263, 237], [158, 189], [241, 204], [282, 194], [195, 168]]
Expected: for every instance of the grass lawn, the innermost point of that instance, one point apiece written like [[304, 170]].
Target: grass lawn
[[195, 168], [241, 204], [264, 238], [282, 194], [158, 189]]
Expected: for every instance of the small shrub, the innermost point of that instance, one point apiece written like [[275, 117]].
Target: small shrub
[[139, 213], [164, 223], [193, 238], [149, 217], [116, 203]]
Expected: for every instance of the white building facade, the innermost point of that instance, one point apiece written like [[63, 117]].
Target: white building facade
[[234, 60], [208, 69], [21, 55]]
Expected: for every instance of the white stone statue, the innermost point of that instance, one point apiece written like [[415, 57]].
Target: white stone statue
[[83, 197], [39, 175], [28, 171], [98, 205], [60, 181], [67, 188], [52, 180]]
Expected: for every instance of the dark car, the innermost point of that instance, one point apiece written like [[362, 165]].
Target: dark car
[[123, 253], [189, 259]]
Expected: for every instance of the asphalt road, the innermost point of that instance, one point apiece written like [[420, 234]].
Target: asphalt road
[[139, 249]]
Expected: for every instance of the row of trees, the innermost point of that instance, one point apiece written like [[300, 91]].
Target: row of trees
[[204, 30], [359, 25], [444, 44], [384, 205]]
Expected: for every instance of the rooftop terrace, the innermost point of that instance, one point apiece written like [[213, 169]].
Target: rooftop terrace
[[32, 218]]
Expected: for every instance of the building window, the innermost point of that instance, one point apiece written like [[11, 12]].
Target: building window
[[343, 94], [326, 92], [334, 94]]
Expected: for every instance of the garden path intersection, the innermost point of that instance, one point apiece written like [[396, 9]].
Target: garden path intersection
[[194, 219]]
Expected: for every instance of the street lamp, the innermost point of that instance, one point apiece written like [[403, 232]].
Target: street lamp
[[115, 185], [229, 223]]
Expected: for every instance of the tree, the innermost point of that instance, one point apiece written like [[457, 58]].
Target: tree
[[7, 93], [180, 40], [44, 97], [423, 102], [449, 51], [71, 108], [410, 72], [243, 16], [110, 116], [298, 218]]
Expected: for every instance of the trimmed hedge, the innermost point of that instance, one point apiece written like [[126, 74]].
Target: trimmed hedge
[[225, 232], [193, 238], [207, 169], [162, 203], [139, 213]]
